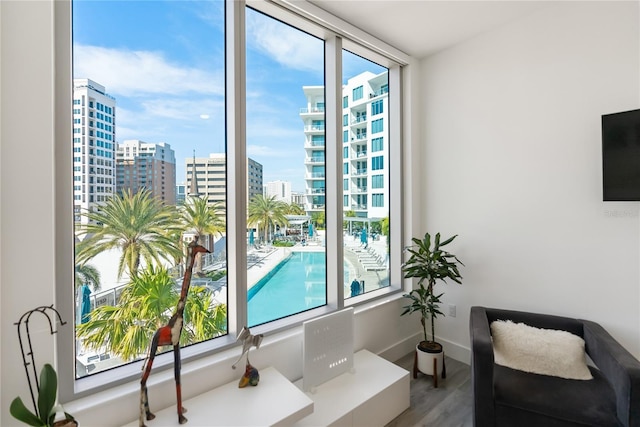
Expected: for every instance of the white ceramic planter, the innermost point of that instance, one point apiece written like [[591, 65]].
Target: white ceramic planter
[[425, 361]]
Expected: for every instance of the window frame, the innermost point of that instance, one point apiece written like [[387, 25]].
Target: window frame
[[304, 16]]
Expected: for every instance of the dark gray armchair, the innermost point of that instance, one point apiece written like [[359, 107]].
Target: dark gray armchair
[[509, 397]]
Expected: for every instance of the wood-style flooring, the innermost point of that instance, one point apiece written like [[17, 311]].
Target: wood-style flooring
[[449, 405]]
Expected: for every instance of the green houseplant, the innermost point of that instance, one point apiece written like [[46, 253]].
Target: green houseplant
[[47, 414], [429, 264]]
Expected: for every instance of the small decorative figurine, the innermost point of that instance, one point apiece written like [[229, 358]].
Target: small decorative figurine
[[251, 375], [170, 335]]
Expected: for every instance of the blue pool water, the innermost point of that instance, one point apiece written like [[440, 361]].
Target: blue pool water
[[297, 284]]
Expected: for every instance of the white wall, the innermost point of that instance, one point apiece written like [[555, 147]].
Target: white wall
[[27, 242], [512, 163]]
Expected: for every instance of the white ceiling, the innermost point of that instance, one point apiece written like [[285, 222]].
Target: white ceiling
[[422, 27]]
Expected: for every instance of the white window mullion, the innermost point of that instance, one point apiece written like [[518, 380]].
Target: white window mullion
[[333, 170], [396, 200], [236, 165], [63, 254]]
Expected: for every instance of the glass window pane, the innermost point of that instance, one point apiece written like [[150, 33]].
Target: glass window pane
[[366, 214], [151, 76], [286, 257]]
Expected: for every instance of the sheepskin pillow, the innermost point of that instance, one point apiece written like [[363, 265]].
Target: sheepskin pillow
[[539, 351]]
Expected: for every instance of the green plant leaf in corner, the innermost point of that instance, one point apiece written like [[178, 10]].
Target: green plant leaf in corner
[[21, 413], [48, 391]]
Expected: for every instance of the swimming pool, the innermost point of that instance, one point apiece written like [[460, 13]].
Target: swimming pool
[[297, 284]]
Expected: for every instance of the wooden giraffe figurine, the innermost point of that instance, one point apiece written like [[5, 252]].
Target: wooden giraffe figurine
[[170, 335]]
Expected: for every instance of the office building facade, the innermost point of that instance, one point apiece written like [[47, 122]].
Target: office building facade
[[281, 190], [151, 166], [211, 178], [94, 146]]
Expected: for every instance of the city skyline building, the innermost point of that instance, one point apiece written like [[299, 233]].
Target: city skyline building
[[147, 165], [280, 189], [365, 146], [211, 177], [94, 147]]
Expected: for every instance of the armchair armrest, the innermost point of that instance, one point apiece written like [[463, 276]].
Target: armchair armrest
[[481, 367], [619, 367]]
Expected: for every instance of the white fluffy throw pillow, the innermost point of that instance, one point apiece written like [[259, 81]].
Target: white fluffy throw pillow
[[539, 351]]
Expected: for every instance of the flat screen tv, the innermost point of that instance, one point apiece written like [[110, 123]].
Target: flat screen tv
[[621, 156]]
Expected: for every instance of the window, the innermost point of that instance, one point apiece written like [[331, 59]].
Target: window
[[377, 181], [377, 144], [377, 200], [200, 102], [357, 93], [377, 126], [370, 219], [115, 296], [267, 214], [377, 163], [377, 107]]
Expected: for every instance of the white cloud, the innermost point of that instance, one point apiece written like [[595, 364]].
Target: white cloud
[[182, 109], [287, 45], [136, 73]]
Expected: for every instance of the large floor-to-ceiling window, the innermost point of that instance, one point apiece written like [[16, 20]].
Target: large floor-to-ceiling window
[[267, 138]]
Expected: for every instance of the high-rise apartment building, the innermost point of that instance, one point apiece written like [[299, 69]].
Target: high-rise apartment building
[[365, 146], [181, 193], [280, 189], [211, 177], [151, 166], [94, 146]]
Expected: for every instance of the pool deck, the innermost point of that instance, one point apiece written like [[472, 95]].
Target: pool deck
[[261, 261]]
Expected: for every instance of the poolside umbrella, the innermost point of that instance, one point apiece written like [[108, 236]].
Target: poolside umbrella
[[310, 229], [251, 238], [363, 236], [85, 307]]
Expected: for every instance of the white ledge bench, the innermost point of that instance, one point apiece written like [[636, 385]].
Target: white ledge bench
[[275, 401], [373, 394]]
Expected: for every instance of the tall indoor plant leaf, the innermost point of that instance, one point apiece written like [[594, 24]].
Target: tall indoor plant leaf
[[429, 264]]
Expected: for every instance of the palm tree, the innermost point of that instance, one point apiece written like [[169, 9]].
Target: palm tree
[[87, 273], [204, 219], [293, 209], [266, 212], [137, 224], [146, 303], [203, 318], [318, 218]]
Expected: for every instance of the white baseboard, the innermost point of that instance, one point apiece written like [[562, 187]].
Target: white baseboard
[[406, 346]]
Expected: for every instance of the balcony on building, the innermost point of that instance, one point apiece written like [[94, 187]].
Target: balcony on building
[[314, 129], [314, 160], [315, 191], [359, 172], [314, 175], [312, 112]]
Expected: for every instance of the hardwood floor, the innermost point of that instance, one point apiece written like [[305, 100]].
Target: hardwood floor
[[449, 405]]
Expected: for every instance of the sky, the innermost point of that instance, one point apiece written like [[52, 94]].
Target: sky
[[163, 62]]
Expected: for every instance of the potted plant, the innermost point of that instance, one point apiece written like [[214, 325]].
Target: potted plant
[[429, 264], [47, 413]]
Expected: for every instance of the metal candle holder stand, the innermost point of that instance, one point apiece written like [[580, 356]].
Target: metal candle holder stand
[[24, 320]]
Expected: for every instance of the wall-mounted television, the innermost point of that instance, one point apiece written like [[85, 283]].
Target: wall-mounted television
[[621, 156]]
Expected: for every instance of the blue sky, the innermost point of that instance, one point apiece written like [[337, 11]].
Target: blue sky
[[163, 61]]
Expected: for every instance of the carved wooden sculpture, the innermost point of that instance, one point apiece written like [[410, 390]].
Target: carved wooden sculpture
[[170, 335]]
